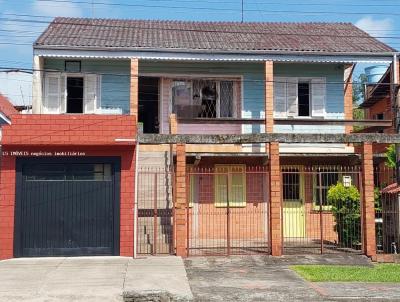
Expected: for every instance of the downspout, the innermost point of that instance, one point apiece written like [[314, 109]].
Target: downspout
[[135, 205]]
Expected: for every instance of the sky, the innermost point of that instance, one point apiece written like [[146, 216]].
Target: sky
[[22, 21]]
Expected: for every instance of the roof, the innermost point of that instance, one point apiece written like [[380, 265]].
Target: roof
[[264, 37], [391, 189], [6, 108]]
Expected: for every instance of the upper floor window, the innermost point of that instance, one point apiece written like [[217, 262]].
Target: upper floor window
[[299, 97], [202, 98], [71, 93]]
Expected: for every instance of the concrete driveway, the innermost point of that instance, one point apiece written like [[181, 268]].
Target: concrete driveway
[[93, 279]]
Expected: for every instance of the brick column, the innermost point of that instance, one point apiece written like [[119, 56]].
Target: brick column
[[173, 124], [180, 201], [134, 88], [275, 219], [7, 204], [368, 206], [269, 96], [348, 96]]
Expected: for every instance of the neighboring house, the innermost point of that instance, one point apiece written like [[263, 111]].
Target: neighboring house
[[378, 105], [99, 80], [6, 111]]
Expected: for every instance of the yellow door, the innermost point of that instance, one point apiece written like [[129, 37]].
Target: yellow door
[[293, 205], [293, 219]]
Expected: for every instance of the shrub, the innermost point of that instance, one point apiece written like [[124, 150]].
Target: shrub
[[345, 202]]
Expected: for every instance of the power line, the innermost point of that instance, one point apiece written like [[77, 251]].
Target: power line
[[177, 76]]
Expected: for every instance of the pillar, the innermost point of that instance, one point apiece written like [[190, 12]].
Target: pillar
[[37, 85], [275, 218], [269, 96], [134, 88], [7, 206], [368, 203], [181, 201], [348, 96]]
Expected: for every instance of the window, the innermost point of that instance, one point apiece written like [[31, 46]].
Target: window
[[304, 99], [379, 116], [70, 172], [292, 184], [202, 98], [72, 66], [75, 93], [323, 179], [299, 97], [230, 185]]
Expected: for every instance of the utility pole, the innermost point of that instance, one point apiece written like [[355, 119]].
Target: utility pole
[[242, 11]]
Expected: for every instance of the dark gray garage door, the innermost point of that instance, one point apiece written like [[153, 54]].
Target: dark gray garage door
[[67, 207]]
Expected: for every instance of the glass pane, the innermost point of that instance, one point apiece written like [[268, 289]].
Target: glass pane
[[44, 172], [221, 189], [226, 99], [97, 172], [291, 186], [182, 100], [208, 98], [237, 188]]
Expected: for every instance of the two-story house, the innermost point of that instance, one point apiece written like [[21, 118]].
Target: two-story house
[[77, 179]]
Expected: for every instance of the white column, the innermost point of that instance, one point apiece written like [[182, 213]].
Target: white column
[[37, 84]]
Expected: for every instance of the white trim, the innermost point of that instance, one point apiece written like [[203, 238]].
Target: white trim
[[233, 57], [5, 118]]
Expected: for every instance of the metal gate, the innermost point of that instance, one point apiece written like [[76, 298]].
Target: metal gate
[[314, 222], [155, 212], [227, 210]]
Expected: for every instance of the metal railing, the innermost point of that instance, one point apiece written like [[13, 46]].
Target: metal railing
[[321, 209], [227, 210]]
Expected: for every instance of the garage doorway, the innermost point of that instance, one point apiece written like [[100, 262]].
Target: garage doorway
[[67, 207]]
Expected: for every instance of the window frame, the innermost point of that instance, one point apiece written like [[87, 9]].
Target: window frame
[[316, 188], [285, 79], [236, 99], [301, 183], [63, 95], [230, 167]]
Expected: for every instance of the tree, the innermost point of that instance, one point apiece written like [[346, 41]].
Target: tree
[[391, 156]]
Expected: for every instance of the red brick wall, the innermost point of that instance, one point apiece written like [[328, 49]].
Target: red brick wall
[[95, 135], [7, 190], [62, 130]]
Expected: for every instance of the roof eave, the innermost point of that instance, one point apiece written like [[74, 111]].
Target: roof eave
[[207, 51]]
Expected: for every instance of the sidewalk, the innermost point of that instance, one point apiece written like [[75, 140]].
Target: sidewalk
[[265, 278], [94, 279]]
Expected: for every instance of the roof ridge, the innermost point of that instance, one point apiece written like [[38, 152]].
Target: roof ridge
[[203, 21]]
